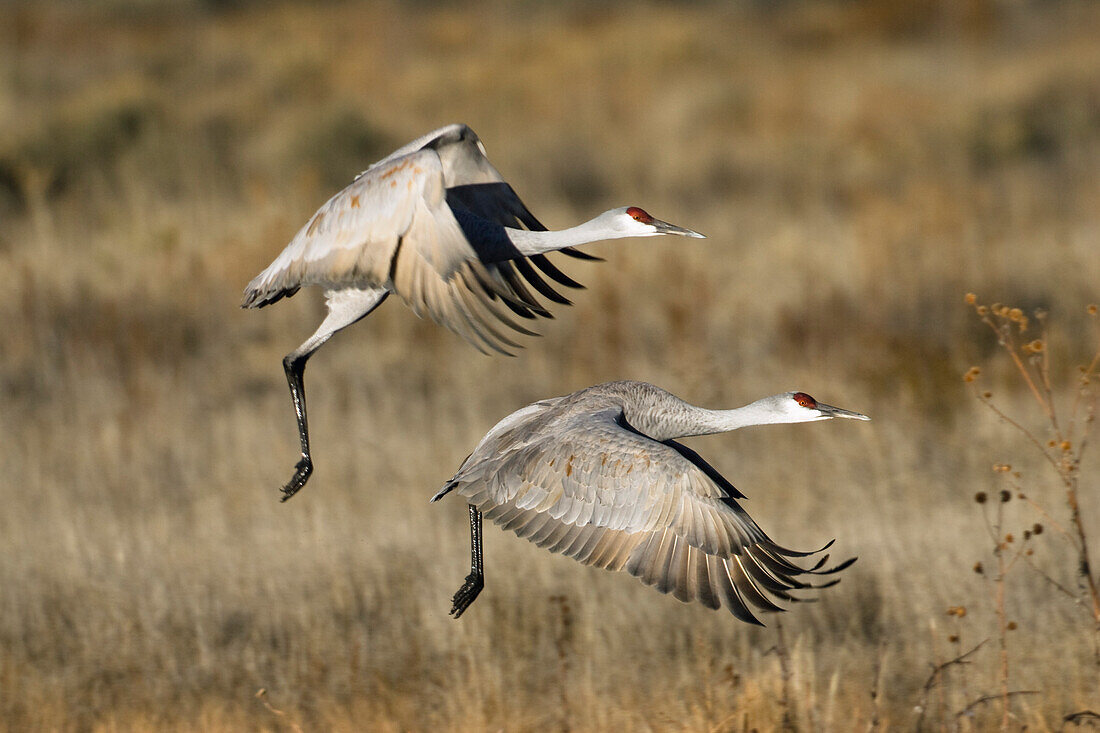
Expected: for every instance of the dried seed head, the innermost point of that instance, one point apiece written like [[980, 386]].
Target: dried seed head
[[1006, 495], [1066, 445], [1091, 310], [980, 497], [1036, 346], [978, 568], [987, 395], [1050, 444], [1015, 314], [1027, 535], [1011, 626], [982, 310], [1037, 529], [971, 299], [1009, 538], [954, 638], [996, 308]]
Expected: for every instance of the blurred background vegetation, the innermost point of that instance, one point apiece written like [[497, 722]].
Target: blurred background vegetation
[[857, 166]]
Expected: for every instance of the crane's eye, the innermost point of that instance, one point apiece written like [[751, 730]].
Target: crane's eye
[[639, 215], [805, 400]]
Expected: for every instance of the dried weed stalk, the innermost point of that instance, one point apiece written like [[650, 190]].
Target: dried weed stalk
[[786, 701], [1061, 443], [1065, 442]]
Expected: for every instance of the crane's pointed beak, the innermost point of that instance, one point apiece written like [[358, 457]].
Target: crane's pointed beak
[[830, 411], [663, 227]]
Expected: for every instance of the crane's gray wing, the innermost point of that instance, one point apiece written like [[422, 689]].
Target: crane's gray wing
[[592, 488], [392, 227]]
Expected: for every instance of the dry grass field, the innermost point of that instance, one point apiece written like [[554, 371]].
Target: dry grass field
[[858, 168]]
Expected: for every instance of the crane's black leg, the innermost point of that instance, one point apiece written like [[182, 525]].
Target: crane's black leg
[[345, 307], [475, 581], [295, 370]]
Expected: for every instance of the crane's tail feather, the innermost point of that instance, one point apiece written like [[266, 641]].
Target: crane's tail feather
[[447, 488], [258, 298]]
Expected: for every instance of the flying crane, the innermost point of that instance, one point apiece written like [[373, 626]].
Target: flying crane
[[598, 476]]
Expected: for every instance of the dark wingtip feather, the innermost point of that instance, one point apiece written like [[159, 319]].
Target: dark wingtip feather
[[544, 264], [508, 272], [539, 284], [578, 254], [838, 568], [786, 552], [742, 613]]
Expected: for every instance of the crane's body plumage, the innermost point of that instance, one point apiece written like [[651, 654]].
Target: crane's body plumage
[[597, 475], [435, 223]]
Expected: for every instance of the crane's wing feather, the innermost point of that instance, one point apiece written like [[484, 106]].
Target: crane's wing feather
[[592, 488], [394, 225]]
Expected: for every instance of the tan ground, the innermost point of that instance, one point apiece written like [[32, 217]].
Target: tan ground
[[858, 168]]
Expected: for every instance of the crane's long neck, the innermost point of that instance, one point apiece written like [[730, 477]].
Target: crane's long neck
[[495, 243], [532, 243], [684, 420]]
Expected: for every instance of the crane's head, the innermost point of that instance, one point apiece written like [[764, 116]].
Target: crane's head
[[791, 407], [630, 221]]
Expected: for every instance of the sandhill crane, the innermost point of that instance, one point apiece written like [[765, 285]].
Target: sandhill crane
[[598, 476], [435, 223]]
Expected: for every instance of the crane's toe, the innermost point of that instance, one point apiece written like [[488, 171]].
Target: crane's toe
[[467, 593], [303, 469]]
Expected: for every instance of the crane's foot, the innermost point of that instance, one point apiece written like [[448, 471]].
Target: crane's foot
[[303, 468], [467, 593]]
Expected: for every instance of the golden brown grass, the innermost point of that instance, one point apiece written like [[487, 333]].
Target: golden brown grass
[[857, 171]]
